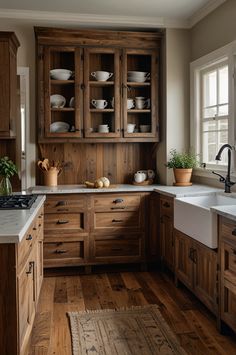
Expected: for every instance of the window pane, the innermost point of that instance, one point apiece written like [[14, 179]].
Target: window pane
[[223, 124], [209, 147], [210, 126], [223, 85], [223, 110], [209, 112], [209, 87]]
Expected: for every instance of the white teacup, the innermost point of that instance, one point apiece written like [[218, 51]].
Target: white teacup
[[100, 104], [130, 127], [140, 102], [130, 104], [103, 128], [139, 177], [101, 75]]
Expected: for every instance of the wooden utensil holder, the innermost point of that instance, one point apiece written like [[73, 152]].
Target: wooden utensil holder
[[50, 177]]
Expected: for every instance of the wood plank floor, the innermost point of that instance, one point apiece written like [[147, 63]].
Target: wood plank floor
[[194, 326]]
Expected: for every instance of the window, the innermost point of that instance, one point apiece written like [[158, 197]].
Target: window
[[214, 112], [213, 95]]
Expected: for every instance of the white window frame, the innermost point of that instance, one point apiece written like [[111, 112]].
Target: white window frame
[[224, 54]]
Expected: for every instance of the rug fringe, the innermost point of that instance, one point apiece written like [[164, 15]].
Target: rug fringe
[[107, 310]]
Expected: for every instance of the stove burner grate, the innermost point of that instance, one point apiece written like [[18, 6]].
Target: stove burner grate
[[18, 202]]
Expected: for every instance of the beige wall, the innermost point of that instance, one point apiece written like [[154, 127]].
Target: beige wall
[[175, 120], [215, 30]]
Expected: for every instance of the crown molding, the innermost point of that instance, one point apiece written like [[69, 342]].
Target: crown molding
[[92, 19], [204, 11]]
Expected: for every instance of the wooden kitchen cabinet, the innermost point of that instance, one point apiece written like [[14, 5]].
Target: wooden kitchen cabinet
[[227, 240], [66, 230], [166, 231], [84, 52], [21, 280], [8, 84], [196, 267]]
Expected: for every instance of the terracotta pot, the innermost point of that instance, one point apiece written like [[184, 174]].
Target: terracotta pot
[[183, 176]]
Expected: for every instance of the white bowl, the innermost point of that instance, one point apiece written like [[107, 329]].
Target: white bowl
[[145, 128], [59, 127], [57, 101], [137, 73], [60, 74], [136, 79]]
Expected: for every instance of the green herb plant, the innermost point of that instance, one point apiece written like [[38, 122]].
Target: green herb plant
[[182, 160], [7, 167]]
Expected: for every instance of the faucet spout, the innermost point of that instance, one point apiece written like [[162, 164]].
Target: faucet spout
[[228, 183]]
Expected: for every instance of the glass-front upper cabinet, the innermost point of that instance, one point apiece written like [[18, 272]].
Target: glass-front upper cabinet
[[63, 98], [102, 92], [140, 93]]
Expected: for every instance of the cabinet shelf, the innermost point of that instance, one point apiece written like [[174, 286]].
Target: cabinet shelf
[[101, 83], [135, 84], [61, 82], [101, 110], [139, 111], [63, 109]]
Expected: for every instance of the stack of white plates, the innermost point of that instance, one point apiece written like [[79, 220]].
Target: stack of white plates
[[137, 76], [59, 127]]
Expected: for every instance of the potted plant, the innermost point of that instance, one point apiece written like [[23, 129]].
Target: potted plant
[[7, 170], [182, 165]]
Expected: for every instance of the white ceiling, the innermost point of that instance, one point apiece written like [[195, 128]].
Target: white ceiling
[[170, 13]]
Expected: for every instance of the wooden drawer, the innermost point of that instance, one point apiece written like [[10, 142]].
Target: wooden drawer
[[63, 222], [113, 220], [26, 245], [227, 229], [117, 202], [166, 206], [117, 248], [228, 261], [63, 253], [64, 203]]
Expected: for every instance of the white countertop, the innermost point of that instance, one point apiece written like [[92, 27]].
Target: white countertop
[[226, 211], [14, 223], [180, 191], [82, 189]]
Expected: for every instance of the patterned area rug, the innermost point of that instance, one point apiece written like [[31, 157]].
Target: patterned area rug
[[137, 330]]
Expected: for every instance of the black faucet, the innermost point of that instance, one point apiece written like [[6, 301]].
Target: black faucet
[[225, 180]]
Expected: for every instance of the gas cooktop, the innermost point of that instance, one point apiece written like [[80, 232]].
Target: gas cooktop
[[16, 202]]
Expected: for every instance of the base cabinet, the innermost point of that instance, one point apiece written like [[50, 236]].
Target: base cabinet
[[196, 267], [21, 279], [166, 231], [227, 238]]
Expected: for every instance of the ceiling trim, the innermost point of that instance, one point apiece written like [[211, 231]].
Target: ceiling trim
[[92, 19], [204, 11]]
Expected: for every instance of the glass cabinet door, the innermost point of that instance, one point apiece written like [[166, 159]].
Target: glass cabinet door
[[140, 93], [63, 92], [102, 92]]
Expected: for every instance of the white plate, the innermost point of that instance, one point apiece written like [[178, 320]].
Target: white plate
[[59, 127]]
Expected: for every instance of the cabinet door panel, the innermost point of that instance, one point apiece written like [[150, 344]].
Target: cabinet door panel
[[167, 241], [183, 259], [228, 303], [205, 275]]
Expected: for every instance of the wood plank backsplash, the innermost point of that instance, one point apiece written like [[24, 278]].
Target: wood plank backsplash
[[83, 162]]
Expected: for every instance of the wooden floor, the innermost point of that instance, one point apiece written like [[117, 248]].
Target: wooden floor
[[194, 326]]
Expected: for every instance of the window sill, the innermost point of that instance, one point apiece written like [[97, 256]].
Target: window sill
[[204, 172]]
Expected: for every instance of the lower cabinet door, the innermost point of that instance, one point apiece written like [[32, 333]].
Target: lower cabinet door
[[205, 275], [228, 303], [26, 303], [167, 241], [183, 259]]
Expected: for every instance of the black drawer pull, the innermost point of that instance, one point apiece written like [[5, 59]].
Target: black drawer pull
[[117, 220], [234, 232], [118, 200], [62, 222], [60, 203], [166, 204], [117, 208], [190, 255], [61, 251], [30, 268], [62, 210], [34, 229], [29, 237]]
